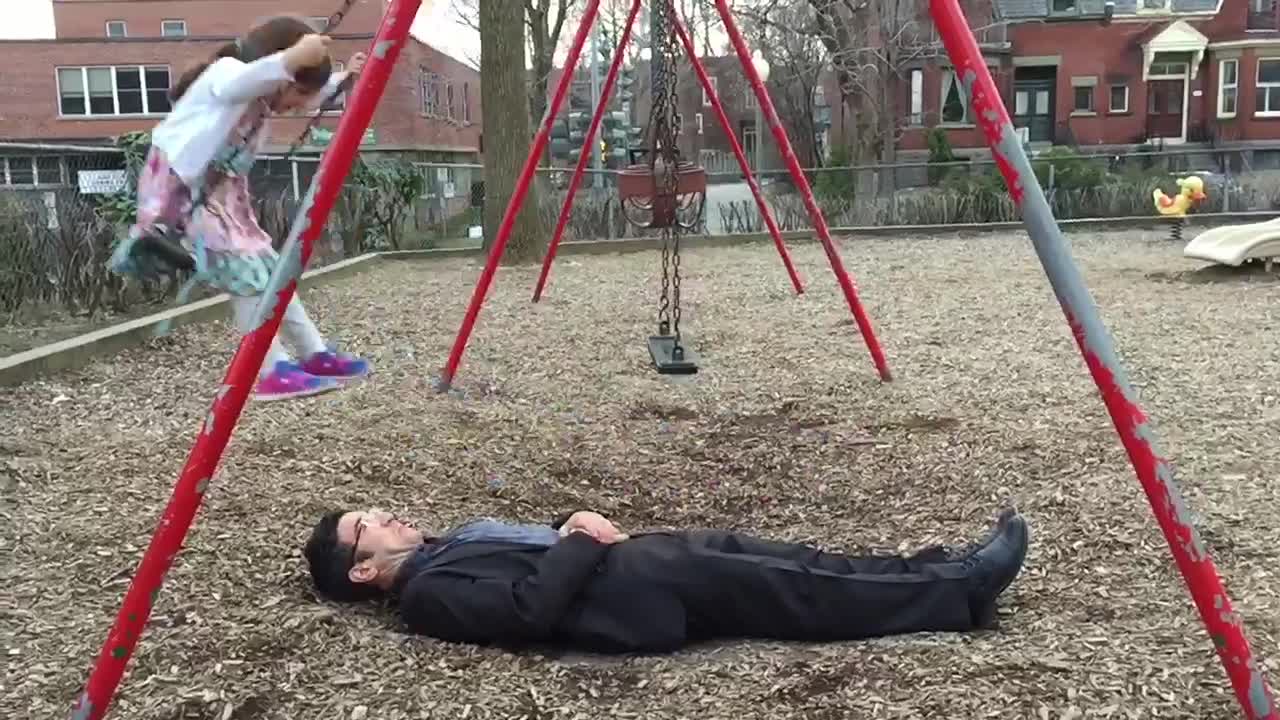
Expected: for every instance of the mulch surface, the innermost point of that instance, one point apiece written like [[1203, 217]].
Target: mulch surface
[[787, 433]]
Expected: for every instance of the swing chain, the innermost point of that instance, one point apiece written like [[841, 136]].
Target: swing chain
[[664, 302], [666, 129]]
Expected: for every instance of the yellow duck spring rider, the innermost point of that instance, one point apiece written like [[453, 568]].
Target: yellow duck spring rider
[[1190, 194]]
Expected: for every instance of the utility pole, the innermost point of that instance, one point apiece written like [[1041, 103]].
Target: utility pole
[[596, 159]]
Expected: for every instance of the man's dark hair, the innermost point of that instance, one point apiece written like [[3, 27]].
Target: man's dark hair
[[330, 563]]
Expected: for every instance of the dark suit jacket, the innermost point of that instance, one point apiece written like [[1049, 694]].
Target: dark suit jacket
[[596, 597]]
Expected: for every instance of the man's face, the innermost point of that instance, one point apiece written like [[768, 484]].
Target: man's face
[[377, 538]]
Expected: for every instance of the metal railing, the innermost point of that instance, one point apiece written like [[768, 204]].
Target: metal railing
[[57, 225]]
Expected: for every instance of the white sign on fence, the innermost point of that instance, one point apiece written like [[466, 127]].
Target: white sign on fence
[[101, 182]]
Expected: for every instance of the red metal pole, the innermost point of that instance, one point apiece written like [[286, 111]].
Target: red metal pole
[[802, 184], [584, 157], [1154, 473], [517, 198], [231, 395], [716, 105]]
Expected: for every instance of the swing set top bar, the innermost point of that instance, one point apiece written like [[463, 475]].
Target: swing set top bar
[[1154, 473], [232, 393]]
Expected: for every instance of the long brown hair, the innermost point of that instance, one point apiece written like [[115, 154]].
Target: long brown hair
[[268, 38]]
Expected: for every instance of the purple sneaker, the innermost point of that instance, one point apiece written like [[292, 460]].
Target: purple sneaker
[[288, 381], [336, 365]]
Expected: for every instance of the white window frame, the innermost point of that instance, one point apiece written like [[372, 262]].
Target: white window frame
[[1223, 87], [1262, 88], [427, 82], [915, 111], [450, 108], [1090, 84], [466, 103], [165, 23], [1111, 108], [115, 90], [6, 172], [697, 119], [124, 28], [1093, 100], [715, 86], [965, 120]]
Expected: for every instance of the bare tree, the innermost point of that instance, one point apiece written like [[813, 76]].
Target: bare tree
[[797, 61], [871, 43], [545, 21], [506, 134]]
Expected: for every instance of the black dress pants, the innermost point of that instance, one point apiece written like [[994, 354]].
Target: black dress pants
[[736, 585]]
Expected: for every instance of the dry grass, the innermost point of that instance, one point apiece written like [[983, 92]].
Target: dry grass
[[992, 404]]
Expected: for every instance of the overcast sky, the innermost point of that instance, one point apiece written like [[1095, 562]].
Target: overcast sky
[[436, 24]]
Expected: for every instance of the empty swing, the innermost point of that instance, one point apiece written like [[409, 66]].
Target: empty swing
[[665, 193]]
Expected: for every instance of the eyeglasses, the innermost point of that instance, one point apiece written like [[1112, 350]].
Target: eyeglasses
[[371, 517]]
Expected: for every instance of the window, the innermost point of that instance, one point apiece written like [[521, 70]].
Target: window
[[448, 99], [916, 116], [466, 103], [697, 119], [117, 29], [1082, 94], [1268, 92], [954, 104], [28, 171], [1064, 6], [173, 28], [1168, 69], [819, 96], [1228, 87], [1083, 102], [750, 99], [431, 93], [715, 86], [120, 90], [1119, 102]]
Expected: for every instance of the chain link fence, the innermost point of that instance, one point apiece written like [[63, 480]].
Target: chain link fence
[[1077, 185], [55, 237]]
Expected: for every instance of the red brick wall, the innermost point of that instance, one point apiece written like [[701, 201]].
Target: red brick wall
[[205, 18], [30, 110]]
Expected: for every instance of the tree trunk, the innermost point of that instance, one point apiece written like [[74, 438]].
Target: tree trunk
[[506, 134]]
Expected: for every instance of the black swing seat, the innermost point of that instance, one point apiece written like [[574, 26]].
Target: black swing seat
[[662, 348], [166, 250]]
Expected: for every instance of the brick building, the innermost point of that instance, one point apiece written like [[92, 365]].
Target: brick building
[[112, 62], [1164, 72]]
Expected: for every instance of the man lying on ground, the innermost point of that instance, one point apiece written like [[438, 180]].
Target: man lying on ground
[[582, 584]]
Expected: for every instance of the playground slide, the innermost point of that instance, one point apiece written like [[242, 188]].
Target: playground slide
[[1234, 244]]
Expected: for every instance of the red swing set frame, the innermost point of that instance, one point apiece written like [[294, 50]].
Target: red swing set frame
[[1153, 472]]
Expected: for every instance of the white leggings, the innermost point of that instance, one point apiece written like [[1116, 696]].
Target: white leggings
[[297, 329]]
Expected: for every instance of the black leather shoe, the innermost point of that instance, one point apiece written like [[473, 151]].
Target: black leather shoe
[[965, 552], [993, 567]]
